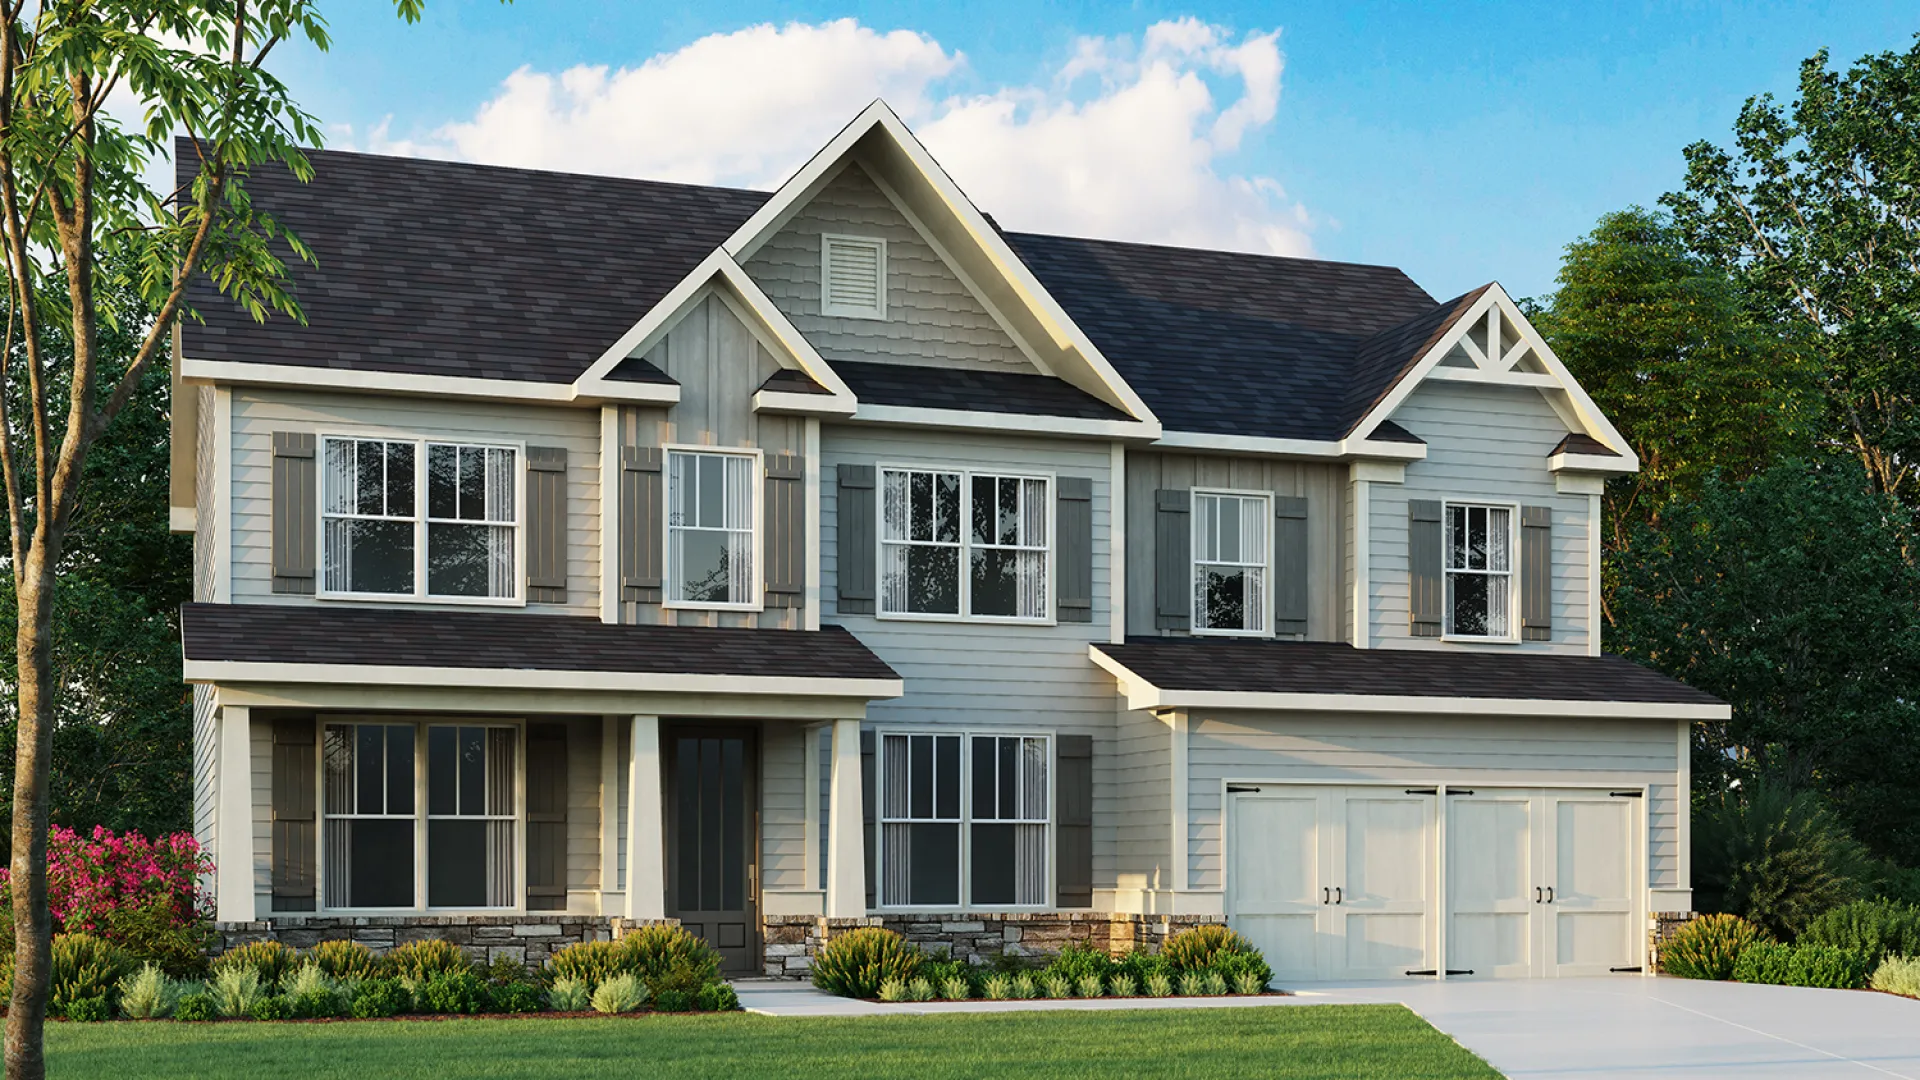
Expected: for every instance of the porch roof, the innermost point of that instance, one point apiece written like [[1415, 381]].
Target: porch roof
[[1159, 673], [398, 646]]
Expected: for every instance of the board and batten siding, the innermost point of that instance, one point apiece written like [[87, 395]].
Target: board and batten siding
[[1470, 751], [933, 318], [719, 365], [1322, 485], [1485, 444], [258, 413], [990, 676]]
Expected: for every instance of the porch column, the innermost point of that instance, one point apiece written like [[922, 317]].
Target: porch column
[[646, 837], [846, 822], [233, 854]]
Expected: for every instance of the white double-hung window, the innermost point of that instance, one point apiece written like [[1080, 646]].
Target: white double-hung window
[[964, 819], [413, 518], [713, 514], [964, 544], [1230, 553], [1479, 567]]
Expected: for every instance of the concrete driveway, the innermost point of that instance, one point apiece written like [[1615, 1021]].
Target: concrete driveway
[[1571, 1029]]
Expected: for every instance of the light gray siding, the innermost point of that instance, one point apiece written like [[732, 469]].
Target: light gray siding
[[992, 675], [583, 811], [783, 809], [1484, 444], [1343, 748], [1323, 486], [260, 760], [932, 316], [1142, 804], [257, 414], [206, 768]]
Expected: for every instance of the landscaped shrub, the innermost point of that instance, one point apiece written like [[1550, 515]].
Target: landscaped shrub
[[568, 994], [312, 994], [271, 959], [194, 1008], [1776, 857], [1801, 965], [997, 986], [453, 993], [892, 990], [1236, 968], [1203, 946], [1898, 975], [940, 970], [1249, 982], [1078, 961], [1708, 947], [1025, 986], [1140, 963], [717, 997], [672, 1001], [858, 961], [1055, 985], [955, 988], [1121, 984], [517, 997], [669, 958], [346, 960], [919, 989], [620, 994], [1878, 928], [142, 894], [272, 1007], [148, 994], [236, 990], [1089, 986], [1158, 984], [90, 1010], [378, 997], [422, 960], [84, 967], [591, 962]]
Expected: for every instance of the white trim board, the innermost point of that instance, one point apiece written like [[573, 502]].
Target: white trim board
[[248, 373], [237, 671], [1336, 449], [1023, 423]]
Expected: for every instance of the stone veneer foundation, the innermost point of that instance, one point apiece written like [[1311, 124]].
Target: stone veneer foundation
[[1664, 923], [526, 939], [790, 942]]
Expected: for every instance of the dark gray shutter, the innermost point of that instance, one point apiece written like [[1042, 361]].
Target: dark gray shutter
[[869, 809], [547, 524], [786, 539], [1173, 559], [1536, 573], [1073, 821], [546, 817], [854, 530], [1073, 533], [294, 507], [1426, 576], [295, 845], [1289, 564], [642, 513]]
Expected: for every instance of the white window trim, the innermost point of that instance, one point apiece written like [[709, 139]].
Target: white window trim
[[966, 735], [420, 817], [878, 245], [1193, 563], [1051, 614], [1512, 636], [419, 595], [759, 542]]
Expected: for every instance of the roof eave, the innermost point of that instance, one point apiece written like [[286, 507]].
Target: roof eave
[[228, 672]]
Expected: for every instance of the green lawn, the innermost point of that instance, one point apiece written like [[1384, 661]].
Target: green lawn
[[1332, 1041]]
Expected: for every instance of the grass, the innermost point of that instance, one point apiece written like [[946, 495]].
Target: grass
[[1295, 1043]]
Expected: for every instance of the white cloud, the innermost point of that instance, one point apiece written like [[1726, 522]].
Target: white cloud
[[1127, 140]]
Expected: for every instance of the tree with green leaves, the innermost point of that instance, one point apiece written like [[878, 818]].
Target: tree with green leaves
[[81, 228], [1815, 212], [1788, 596], [1662, 341]]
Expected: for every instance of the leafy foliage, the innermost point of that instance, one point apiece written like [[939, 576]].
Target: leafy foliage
[[271, 959], [272, 1007], [1802, 965], [1079, 961], [454, 993], [148, 994], [858, 961], [518, 997], [421, 960], [86, 967], [236, 989], [377, 997], [1777, 858], [1878, 928], [1121, 984], [1204, 946], [1709, 947], [619, 994], [672, 1001], [1898, 975], [195, 1008], [590, 962], [570, 994], [141, 894]]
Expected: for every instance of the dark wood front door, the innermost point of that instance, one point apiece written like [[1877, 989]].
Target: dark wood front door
[[712, 840]]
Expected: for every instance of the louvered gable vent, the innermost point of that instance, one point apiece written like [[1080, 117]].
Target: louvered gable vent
[[853, 276]]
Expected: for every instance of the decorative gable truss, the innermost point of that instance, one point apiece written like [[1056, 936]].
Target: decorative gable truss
[[1492, 343]]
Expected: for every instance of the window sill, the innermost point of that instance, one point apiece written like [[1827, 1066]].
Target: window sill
[[1466, 639], [1229, 633], [396, 598], [691, 605], [985, 620]]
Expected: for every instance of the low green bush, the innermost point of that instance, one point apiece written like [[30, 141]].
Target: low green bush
[[270, 959], [672, 1001], [1898, 975], [669, 958], [1243, 967], [1200, 947], [919, 989], [620, 994], [156, 932], [1025, 986], [954, 988], [717, 997], [590, 962], [1140, 963], [422, 960], [1249, 983], [941, 971], [89, 1010], [312, 994], [346, 960], [194, 1008], [453, 993], [1709, 947], [1055, 985], [1775, 856], [517, 997], [1878, 928], [84, 967], [148, 994], [236, 989], [1121, 984], [377, 997], [1158, 984], [997, 986], [568, 994], [893, 990], [1801, 965], [1077, 962], [1089, 986], [857, 962], [272, 1007]]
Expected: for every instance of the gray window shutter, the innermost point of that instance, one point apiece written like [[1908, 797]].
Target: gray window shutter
[[1536, 573], [786, 538], [1290, 564], [1073, 821], [294, 505], [547, 524], [295, 843], [642, 523], [855, 532], [1173, 559], [546, 817], [869, 810], [1073, 537], [1426, 576]]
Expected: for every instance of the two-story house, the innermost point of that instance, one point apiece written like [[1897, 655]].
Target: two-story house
[[604, 548]]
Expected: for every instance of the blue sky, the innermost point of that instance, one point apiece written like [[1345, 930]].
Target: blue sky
[[1461, 142]]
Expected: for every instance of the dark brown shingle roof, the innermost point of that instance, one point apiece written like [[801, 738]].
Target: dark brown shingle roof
[[1582, 443], [974, 391]]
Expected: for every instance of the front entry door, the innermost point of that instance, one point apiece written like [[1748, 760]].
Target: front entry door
[[712, 840]]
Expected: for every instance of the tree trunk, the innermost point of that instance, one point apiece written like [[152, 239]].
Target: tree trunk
[[32, 924]]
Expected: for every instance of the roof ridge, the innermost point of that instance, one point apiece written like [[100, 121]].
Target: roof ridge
[[1265, 256]]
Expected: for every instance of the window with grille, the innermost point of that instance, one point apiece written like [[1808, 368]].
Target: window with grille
[[1479, 565], [378, 539], [961, 544], [712, 517], [1230, 553], [964, 820]]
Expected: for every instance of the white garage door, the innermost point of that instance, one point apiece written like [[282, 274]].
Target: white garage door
[[1345, 882]]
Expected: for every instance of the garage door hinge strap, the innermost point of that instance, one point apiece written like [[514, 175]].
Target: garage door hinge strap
[[1626, 794], [1233, 789], [1459, 791], [1618, 970], [1425, 971], [1459, 971], [1423, 791]]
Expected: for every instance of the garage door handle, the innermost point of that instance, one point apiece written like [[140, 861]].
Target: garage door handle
[[1338, 896], [1549, 894], [1326, 895], [1536, 894]]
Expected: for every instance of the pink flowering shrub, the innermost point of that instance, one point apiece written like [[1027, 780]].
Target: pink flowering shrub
[[141, 894]]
